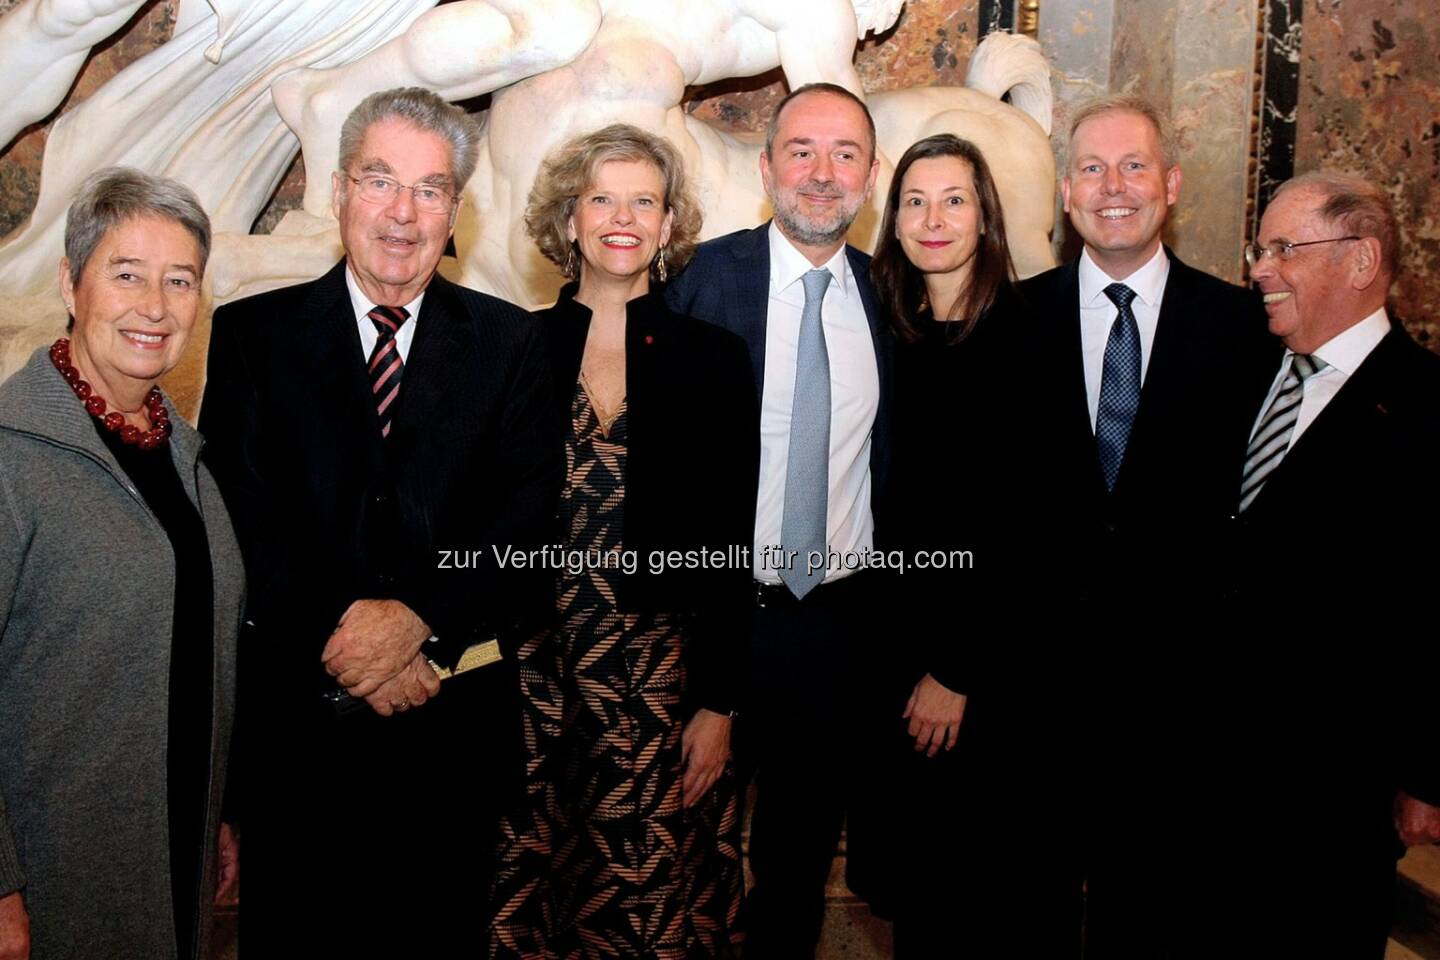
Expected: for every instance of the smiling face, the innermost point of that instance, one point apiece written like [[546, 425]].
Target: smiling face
[[620, 222], [1118, 190], [392, 248], [1310, 297], [938, 223], [821, 173], [134, 307]]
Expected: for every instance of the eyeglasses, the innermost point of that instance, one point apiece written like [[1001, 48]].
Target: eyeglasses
[[1283, 249], [428, 197]]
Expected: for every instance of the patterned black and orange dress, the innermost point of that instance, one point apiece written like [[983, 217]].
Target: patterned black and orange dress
[[627, 870]]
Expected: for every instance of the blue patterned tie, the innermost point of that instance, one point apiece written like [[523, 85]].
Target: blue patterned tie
[[1119, 385], [807, 472]]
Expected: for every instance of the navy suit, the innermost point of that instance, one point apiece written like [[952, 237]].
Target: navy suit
[[1144, 568], [819, 692]]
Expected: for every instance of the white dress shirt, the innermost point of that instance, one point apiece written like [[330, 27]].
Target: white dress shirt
[[854, 400], [368, 335], [1098, 312], [1343, 353]]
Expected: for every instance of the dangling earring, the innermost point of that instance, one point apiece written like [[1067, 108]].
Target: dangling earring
[[570, 270], [660, 266]]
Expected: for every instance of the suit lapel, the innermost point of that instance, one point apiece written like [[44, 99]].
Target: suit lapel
[[1164, 372], [438, 356], [1074, 397], [750, 298], [328, 345], [1346, 426], [884, 346]]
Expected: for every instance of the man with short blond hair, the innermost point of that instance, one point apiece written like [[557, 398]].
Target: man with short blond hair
[[1152, 366]]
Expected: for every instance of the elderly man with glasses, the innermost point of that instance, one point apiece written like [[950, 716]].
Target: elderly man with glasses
[[1336, 561], [362, 427]]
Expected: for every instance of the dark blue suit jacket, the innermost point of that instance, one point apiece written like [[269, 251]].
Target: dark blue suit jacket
[[728, 284]]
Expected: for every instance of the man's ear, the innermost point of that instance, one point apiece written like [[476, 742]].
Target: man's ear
[[1366, 263]]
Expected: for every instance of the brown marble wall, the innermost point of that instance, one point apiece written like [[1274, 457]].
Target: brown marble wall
[[1370, 103], [1196, 60]]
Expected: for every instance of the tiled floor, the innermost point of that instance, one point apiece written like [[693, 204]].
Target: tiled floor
[[852, 933]]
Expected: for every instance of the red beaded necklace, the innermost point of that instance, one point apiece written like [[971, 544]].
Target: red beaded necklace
[[154, 404]]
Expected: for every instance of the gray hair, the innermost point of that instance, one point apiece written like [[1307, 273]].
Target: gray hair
[[1354, 205], [1126, 103], [424, 109], [111, 196]]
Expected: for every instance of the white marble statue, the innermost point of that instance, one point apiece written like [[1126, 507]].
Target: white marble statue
[[636, 70], [224, 103], [43, 45], [198, 109]]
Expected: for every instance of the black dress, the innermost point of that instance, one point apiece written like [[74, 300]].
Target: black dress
[[981, 830], [604, 859], [189, 719]]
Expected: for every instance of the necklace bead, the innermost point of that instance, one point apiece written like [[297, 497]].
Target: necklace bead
[[114, 421]]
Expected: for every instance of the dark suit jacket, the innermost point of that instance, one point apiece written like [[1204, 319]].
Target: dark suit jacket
[[693, 454], [728, 284], [1209, 367], [1337, 557]]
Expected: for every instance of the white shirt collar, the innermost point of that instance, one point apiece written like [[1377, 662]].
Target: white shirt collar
[[1148, 282], [1348, 349], [788, 265], [363, 304]]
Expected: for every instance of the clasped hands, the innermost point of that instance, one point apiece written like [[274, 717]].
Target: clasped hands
[[374, 654]]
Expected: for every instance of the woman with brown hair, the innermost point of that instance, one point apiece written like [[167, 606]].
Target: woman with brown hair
[[969, 419]]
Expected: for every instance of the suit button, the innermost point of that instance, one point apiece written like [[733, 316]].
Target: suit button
[[381, 499]]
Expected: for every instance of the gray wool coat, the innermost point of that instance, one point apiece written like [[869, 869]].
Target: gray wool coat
[[86, 615]]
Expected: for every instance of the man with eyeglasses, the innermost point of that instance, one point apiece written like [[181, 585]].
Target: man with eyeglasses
[[1145, 370], [362, 426], [1337, 558]]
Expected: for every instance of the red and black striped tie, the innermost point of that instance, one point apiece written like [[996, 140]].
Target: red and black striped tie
[[385, 363]]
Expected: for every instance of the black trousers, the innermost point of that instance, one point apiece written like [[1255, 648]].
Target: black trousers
[[819, 694], [369, 836]]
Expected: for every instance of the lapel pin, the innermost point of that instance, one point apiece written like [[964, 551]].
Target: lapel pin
[[649, 338]]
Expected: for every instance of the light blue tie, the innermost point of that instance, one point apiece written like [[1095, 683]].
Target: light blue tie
[[807, 472]]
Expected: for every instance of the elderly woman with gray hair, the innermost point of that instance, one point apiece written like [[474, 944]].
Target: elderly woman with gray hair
[[120, 600]]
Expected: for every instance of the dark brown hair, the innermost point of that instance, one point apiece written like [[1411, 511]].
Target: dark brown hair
[[902, 287]]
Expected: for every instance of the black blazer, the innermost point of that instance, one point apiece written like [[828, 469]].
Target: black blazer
[[728, 284], [328, 513], [1210, 365], [1337, 556], [692, 467]]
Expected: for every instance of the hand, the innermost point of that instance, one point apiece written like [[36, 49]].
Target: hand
[[14, 928], [934, 712], [704, 748], [1416, 821], [227, 878], [411, 687], [374, 641]]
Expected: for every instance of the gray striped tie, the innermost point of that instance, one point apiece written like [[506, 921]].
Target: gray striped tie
[[1272, 438], [807, 470]]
